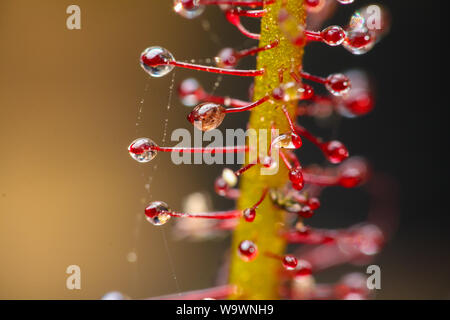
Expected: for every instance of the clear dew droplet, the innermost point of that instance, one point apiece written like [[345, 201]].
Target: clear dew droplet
[[207, 116], [189, 9], [157, 213], [338, 84], [142, 150], [359, 39], [155, 61], [284, 141]]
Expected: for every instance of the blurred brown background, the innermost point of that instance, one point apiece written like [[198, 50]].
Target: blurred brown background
[[69, 192]]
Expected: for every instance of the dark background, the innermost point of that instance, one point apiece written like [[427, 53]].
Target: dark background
[[405, 138], [68, 110]]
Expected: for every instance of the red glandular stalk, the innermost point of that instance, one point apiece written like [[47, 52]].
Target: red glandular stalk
[[243, 73]]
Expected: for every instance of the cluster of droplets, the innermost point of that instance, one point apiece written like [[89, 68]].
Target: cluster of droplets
[[367, 26], [300, 196]]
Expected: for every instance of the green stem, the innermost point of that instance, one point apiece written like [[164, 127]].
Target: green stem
[[259, 279]]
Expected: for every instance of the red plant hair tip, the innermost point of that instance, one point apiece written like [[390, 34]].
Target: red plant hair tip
[[144, 149], [289, 262], [235, 20], [332, 36], [295, 173], [158, 213], [337, 84], [249, 214], [296, 178], [228, 57], [208, 116], [158, 62], [247, 250], [353, 173], [334, 151]]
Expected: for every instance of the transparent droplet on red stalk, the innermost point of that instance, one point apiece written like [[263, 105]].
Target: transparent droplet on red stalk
[[335, 151], [289, 140], [290, 262], [188, 8], [190, 92], [156, 61], [296, 177], [360, 100], [227, 58], [359, 38], [249, 214], [267, 161], [338, 84], [353, 172], [361, 103], [307, 92], [157, 213], [247, 250], [143, 150], [359, 41], [333, 35], [207, 116]]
